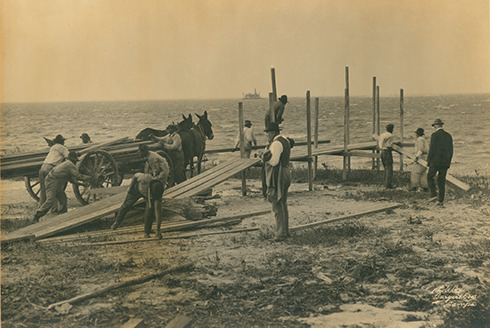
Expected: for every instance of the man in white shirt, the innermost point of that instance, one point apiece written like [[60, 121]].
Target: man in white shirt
[[56, 155], [278, 177], [385, 144], [172, 143], [418, 174], [248, 139]]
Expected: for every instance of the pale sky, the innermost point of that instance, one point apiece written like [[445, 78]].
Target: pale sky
[[96, 50]]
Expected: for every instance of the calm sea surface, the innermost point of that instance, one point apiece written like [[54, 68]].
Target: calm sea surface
[[466, 118]]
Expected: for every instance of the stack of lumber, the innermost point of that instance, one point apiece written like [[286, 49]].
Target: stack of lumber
[[109, 205], [122, 150]]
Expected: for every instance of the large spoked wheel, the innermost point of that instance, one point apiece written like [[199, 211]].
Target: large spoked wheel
[[100, 171], [170, 179], [33, 186]]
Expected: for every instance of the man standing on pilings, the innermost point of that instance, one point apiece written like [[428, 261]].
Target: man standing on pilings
[[275, 115], [278, 177], [385, 144], [439, 160]]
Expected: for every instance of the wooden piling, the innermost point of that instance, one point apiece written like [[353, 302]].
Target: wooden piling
[[374, 117], [346, 164], [242, 148], [273, 78], [317, 106], [378, 129], [401, 126], [308, 140]]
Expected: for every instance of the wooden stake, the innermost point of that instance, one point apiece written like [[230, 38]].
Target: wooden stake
[[346, 164], [242, 146], [317, 106], [273, 78], [401, 126], [377, 123], [308, 140], [374, 117]]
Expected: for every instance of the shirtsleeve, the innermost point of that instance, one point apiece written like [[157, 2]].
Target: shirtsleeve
[[276, 151]]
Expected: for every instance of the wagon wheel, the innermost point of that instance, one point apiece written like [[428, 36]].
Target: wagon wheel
[[170, 179], [33, 186], [101, 171]]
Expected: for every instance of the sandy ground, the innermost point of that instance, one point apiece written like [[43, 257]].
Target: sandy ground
[[415, 266]]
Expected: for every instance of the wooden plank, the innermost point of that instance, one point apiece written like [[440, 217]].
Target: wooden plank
[[358, 153], [224, 170], [108, 191], [130, 282], [210, 182], [333, 150], [169, 226], [424, 163], [216, 180], [133, 323], [180, 321], [228, 150], [350, 216]]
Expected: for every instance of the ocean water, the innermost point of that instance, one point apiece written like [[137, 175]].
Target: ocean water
[[466, 117]]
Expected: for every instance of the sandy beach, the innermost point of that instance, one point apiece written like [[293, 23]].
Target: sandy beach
[[413, 266]]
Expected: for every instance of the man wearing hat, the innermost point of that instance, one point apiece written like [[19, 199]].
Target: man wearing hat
[[172, 142], [56, 183], [278, 177], [277, 111], [57, 153], [157, 168], [418, 176], [385, 144], [439, 160], [248, 139], [85, 138]]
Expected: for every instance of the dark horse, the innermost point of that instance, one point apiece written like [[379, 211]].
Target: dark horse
[[194, 139]]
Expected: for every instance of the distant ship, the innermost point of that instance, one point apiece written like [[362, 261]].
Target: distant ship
[[254, 95]]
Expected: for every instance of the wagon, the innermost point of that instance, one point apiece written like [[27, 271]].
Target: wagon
[[105, 165]]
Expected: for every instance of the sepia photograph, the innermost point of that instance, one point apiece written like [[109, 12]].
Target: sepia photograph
[[225, 163]]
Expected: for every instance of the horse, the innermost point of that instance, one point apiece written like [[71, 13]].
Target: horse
[[145, 134], [194, 139]]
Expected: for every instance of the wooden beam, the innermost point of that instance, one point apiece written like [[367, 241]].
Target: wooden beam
[[133, 323], [422, 162], [242, 146], [341, 218], [180, 321], [129, 282], [308, 140]]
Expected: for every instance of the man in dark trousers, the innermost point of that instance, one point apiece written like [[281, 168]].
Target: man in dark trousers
[[156, 169], [56, 182], [385, 144], [278, 177], [277, 111], [439, 160]]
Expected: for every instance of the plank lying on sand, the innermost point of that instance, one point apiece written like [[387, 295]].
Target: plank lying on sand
[[175, 225], [109, 205], [341, 218], [424, 163], [130, 282], [292, 229]]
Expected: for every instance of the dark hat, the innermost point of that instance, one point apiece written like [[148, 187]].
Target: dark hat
[[272, 127], [248, 123], [420, 132], [172, 127], [73, 156], [390, 127], [84, 136], [284, 97], [438, 122], [59, 139], [143, 148]]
